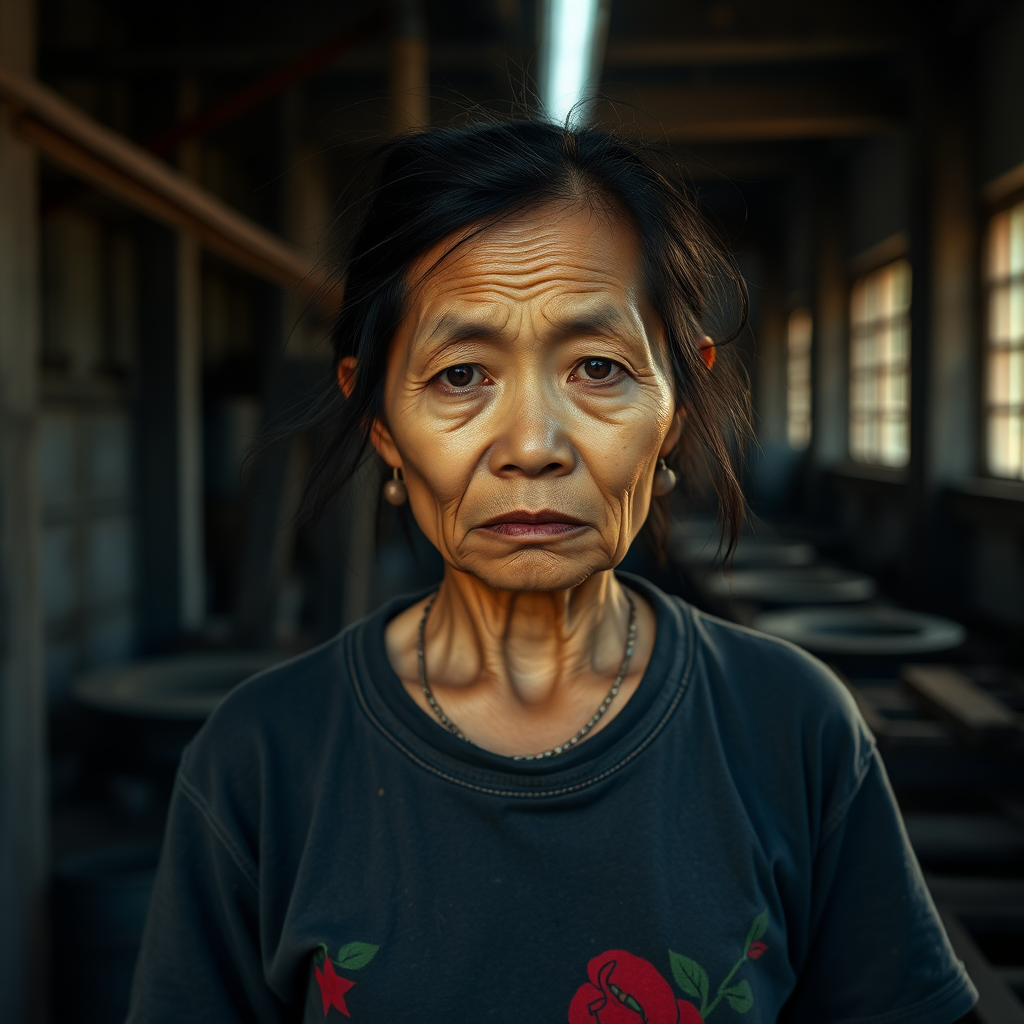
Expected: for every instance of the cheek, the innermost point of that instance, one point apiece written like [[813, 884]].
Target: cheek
[[620, 450], [441, 471], [439, 465]]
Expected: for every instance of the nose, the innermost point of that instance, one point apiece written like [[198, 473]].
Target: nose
[[533, 439]]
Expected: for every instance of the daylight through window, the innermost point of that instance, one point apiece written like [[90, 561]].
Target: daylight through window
[[880, 366], [1004, 386], [799, 331]]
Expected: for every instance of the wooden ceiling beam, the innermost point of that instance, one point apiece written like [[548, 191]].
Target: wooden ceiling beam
[[117, 166], [739, 51], [754, 112]]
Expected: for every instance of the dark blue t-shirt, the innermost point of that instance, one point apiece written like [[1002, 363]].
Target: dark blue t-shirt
[[727, 848]]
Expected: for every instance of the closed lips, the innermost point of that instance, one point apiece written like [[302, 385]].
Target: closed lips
[[535, 518], [533, 524]]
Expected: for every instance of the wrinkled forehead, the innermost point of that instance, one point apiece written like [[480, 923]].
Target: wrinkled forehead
[[562, 257]]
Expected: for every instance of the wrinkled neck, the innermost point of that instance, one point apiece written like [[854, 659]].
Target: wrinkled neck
[[529, 643]]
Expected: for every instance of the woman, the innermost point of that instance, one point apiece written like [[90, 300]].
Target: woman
[[542, 791]]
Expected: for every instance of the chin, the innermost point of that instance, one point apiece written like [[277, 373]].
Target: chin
[[534, 570]]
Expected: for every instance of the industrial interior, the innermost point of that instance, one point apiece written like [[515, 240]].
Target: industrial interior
[[172, 181]]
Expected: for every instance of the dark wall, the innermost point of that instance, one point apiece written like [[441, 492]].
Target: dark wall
[[1001, 78], [879, 192]]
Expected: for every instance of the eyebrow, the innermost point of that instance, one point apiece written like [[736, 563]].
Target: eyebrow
[[603, 319], [450, 328]]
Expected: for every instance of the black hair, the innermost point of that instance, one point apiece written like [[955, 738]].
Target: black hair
[[432, 184]]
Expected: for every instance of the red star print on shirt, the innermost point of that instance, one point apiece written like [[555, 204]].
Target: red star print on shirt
[[332, 987]]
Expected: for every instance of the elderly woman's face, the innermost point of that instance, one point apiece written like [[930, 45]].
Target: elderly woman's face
[[528, 398]]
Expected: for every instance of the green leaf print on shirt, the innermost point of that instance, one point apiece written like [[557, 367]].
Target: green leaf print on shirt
[[740, 997], [354, 955], [689, 976], [693, 979]]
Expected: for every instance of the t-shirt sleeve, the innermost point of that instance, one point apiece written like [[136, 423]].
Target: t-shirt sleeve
[[878, 952], [200, 959]]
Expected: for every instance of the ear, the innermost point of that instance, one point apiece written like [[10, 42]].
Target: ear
[[707, 351], [381, 439], [674, 432], [347, 375], [380, 436]]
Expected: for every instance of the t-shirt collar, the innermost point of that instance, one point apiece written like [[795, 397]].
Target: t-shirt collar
[[404, 723]]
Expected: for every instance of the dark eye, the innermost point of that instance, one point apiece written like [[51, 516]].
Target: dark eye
[[597, 369], [459, 376]]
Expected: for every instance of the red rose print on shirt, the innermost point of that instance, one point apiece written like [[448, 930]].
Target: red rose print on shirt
[[625, 989], [350, 957]]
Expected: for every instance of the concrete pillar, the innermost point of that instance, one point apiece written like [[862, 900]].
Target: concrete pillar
[[770, 461], [271, 486], [24, 847], [169, 438], [828, 440], [158, 503], [769, 377], [191, 553], [951, 441], [922, 309], [943, 356], [190, 434]]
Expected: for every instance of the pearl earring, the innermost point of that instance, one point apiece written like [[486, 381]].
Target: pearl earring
[[664, 479], [395, 492]]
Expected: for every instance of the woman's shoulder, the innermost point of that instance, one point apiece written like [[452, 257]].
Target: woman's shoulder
[[298, 686], [747, 657], [743, 665], [278, 720], [766, 690], [738, 655], [784, 722]]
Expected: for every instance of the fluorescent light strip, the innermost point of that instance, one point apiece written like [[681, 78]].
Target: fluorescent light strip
[[570, 45]]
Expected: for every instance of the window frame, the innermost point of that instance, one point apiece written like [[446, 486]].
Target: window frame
[[795, 308], [885, 254], [990, 211]]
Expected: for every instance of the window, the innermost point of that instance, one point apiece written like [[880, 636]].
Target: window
[[799, 331], [880, 366], [1004, 371]]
